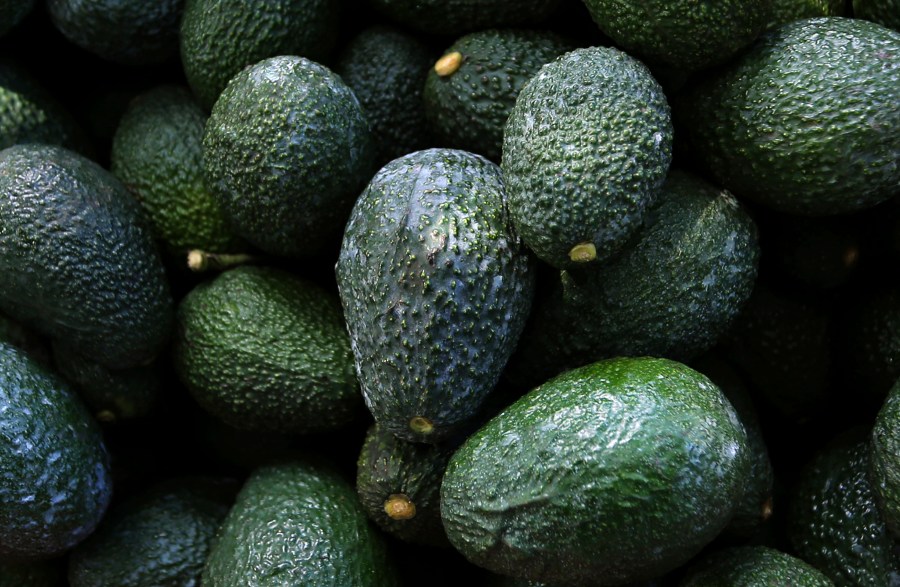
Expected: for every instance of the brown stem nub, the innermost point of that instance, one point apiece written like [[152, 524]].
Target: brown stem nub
[[583, 253], [198, 260], [448, 64], [399, 507]]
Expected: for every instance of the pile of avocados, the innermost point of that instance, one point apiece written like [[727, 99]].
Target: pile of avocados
[[388, 293]]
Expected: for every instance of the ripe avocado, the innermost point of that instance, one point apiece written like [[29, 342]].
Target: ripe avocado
[[220, 37], [54, 469], [614, 472], [807, 121], [684, 34], [436, 288], [753, 566], [457, 17], [286, 151], [79, 263], [298, 523], [885, 458], [481, 74], [585, 152], [263, 350]]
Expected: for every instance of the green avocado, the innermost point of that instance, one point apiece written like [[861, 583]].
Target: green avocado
[[616, 472], [885, 459], [753, 566]]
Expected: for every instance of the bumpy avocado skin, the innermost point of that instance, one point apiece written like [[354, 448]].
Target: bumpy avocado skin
[[585, 152], [386, 68], [79, 263], [220, 37], [297, 523], [157, 152], [885, 12], [885, 458], [160, 537], [615, 472], [389, 466], [262, 349], [684, 34], [457, 17], [834, 522], [436, 288], [468, 108], [753, 566], [806, 121], [55, 484], [286, 151]]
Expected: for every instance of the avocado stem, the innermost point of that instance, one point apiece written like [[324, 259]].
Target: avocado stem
[[421, 425], [399, 507], [198, 260], [583, 253], [448, 64]]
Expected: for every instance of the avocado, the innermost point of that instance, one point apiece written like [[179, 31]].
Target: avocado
[[160, 537], [457, 17], [585, 152], [286, 151], [471, 90], [834, 522], [12, 12], [752, 566], [787, 124], [44, 573], [386, 68], [618, 471], [262, 349], [435, 287], [157, 152], [80, 264], [29, 113], [885, 458], [298, 523], [220, 37], [684, 34], [870, 338], [784, 11], [399, 482], [885, 12], [55, 481], [133, 32]]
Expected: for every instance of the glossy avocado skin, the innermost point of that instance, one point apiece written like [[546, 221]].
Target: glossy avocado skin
[[457, 17], [436, 288], [753, 566], [298, 523], [468, 108], [160, 537], [286, 151], [80, 264], [834, 522], [885, 460], [565, 146], [388, 466], [386, 68], [264, 350], [786, 124], [54, 469], [218, 38], [612, 473]]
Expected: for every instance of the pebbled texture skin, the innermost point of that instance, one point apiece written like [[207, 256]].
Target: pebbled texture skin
[[436, 288], [299, 524], [807, 121], [157, 152], [753, 566], [133, 32], [834, 522], [885, 460], [468, 109], [615, 472], [388, 466], [685, 34], [457, 17], [585, 151], [55, 483], [286, 151], [12, 12], [77, 261], [221, 37], [262, 350], [785, 11], [160, 538], [884, 12], [386, 69]]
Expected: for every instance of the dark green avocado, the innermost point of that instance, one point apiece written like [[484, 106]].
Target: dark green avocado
[[457, 17], [79, 263], [436, 288], [54, 469], [753, 566], [616, 472], [298, 523], [885, 459], [586, 150], [471, 90], [286, 151], [806, 120]]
